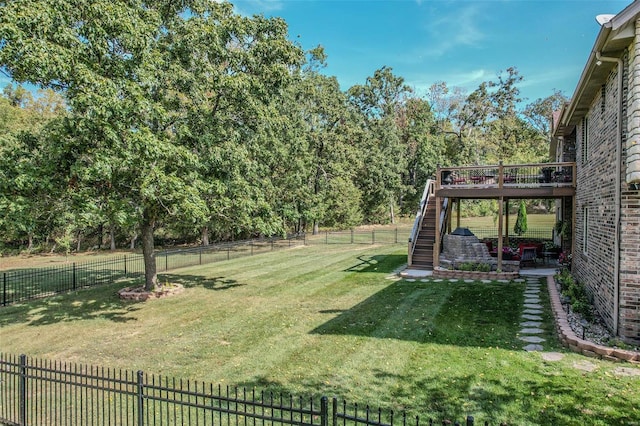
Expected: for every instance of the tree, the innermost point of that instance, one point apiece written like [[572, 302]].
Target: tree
[[378, 102], [521, 222], [130, 72]]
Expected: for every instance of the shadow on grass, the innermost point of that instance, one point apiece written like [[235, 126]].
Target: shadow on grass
[[539, 401], [460, 314], [97, 302], [380, 263], [191, 281]]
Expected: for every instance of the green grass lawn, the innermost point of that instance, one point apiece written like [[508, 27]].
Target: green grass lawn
[[330, 321]]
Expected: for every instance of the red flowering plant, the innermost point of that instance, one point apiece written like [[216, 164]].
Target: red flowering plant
[[565, 260]]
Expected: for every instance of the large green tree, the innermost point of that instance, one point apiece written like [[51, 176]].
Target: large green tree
[[130, 72]]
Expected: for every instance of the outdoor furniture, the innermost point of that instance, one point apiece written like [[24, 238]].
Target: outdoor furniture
[[528, 255]]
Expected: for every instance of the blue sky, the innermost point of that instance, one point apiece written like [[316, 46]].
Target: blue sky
[[460, 42]]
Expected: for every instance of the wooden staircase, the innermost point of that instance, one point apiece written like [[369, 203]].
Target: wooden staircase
[[423, 252]]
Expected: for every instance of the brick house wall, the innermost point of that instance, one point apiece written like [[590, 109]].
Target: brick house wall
[[593, 256], [595, 156], [629, 326]]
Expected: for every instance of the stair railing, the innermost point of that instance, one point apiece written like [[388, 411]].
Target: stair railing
[[427, 194]]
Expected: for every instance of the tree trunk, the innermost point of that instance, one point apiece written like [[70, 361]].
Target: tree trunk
[[100, 235], [205, 235], [393, 216], [150, 272], [79, 242], [316, 229], [30, 243], [112, 238], [132, 245]]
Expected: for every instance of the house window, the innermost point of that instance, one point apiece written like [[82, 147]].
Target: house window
[[585, 230], [585, 139]]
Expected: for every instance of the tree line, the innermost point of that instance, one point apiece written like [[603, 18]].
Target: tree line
[[186, 118]]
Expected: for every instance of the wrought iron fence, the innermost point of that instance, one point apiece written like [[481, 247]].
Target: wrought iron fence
[[531, 233], [38, 392], [26, 284]]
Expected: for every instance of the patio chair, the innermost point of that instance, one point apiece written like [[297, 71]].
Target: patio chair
[[528, 255]]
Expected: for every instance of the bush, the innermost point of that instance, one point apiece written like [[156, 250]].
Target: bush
[[577, 293]]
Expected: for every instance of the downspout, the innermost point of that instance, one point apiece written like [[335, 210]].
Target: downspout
[[616, 241]]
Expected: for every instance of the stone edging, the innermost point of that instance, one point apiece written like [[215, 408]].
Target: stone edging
[[569, 339], [139, 295], [474, 275]]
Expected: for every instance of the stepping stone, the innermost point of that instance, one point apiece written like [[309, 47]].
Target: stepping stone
[[552, 356], [424, 280], [518, 280], [626, 371], [532, 300], [486, 281], [531, 339], [503, 281], [531, 317], [534, 324], [531, 331], [585, 366], [532, 306], [533, 348], [453, 280], [532, 312], [438, 280], [532, 291]]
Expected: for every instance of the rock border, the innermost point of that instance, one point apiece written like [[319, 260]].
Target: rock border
[[473, 275], [569, 339], [138, 294]]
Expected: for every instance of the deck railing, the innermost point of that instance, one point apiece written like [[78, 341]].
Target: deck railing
[[417, 224], [508, 176]]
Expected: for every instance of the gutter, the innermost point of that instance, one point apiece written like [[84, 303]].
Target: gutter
[[616, 241]]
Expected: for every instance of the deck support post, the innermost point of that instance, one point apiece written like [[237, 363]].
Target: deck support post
[[500, 219]]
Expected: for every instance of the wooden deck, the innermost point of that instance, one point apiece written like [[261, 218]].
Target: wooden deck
[[543, 180]]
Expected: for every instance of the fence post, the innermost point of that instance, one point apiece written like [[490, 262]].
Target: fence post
[[396, 235], [251, 245], [4, 289], [200, 253], [351, 235], [125, 264], [334, 413], [326, 237], [23, 390], [228, 252], [166, 260], [373, 237], [140, 392], [324, 411], [74, 276]]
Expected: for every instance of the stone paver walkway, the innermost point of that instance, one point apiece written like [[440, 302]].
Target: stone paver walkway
[[532, 316]]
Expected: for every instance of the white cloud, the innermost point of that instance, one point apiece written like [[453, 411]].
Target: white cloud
[[467, 80], [458, 27]]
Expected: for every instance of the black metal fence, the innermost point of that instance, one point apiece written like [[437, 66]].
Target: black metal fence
[[531, 233], [26, 284], [38, 392], [374, 236]]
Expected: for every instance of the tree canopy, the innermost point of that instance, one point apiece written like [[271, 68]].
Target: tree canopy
[[188, 118]]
